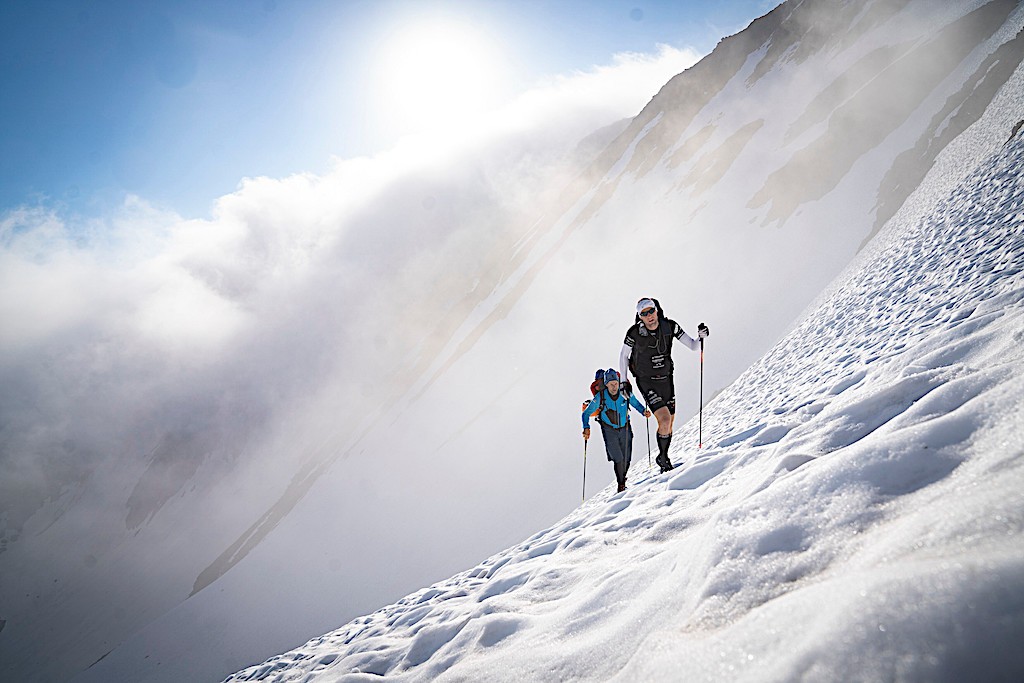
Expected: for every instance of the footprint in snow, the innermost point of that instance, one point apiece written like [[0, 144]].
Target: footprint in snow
[[742, 436], [847, 382], [501, 586], [618, 506], [543, 549], [793, 461], [773, 434], [787, 464], [431, 639], [698, 475], [497, 630], [785, 539]]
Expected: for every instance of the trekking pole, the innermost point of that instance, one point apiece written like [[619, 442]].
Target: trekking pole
[[585, 442], [700, 408], [649, 466]]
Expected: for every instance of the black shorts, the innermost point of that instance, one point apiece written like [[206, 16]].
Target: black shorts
[[659, 392]]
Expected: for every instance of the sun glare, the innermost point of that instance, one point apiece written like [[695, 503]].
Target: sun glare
[[436, 75]]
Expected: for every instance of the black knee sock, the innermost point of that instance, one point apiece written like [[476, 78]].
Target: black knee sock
[[663, 443]]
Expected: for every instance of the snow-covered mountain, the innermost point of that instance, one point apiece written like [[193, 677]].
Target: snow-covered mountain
[[173, 514], [861, 518]]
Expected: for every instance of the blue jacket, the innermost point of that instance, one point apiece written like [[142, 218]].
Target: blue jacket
[[614, 412]]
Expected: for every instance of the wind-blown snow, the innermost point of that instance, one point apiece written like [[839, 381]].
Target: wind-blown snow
[[863, 519]]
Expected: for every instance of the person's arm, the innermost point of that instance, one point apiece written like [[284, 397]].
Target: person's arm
[[588, 411], [624, 355], [680, 334], [636, 404]]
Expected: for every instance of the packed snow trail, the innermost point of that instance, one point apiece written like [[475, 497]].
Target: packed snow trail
[[862, 519]]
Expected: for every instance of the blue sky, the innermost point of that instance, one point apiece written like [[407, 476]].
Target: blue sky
[[178, 101]]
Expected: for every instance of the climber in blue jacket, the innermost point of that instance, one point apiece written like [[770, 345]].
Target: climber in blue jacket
[[612, 407]]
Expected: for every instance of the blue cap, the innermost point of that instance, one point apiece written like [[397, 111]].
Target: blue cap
[[610, 375]]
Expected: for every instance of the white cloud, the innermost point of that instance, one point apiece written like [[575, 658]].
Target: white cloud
[[294, 288]]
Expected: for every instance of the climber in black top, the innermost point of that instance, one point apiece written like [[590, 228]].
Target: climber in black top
[[647, 354]]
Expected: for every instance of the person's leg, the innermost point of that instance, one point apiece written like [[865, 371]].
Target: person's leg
[[658, 394], [665, 419], [629, 445], [628, 455], [614, 444], [656, 403], [620, 474], [664, 441], [668, 392]]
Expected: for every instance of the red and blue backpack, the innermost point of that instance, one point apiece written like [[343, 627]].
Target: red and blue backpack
[[596, 387]]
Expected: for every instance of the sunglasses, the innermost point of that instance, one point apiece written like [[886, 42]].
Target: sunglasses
[[647, 311]]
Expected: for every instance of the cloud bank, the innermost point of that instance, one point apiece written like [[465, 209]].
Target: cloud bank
[[146, 358]]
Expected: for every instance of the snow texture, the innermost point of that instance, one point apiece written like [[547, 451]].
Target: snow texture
[[862, 520]]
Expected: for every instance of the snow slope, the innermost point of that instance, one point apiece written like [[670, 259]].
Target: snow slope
[[861, 516]]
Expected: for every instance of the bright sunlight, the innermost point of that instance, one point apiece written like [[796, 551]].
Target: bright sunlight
[[437, 75]]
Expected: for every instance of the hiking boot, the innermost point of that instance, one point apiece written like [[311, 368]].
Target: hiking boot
[[622, 487]]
